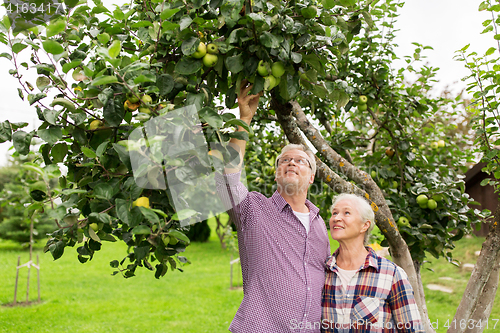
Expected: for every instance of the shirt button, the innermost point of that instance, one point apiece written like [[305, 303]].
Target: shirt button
[[305, 315], [308, 288]]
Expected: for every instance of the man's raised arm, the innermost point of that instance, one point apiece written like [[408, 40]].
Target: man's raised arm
[[248, 106]]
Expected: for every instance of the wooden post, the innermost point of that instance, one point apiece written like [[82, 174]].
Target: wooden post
[[231, 274], [17, 278]]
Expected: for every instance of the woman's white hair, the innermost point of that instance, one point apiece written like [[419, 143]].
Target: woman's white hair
[[293, 146], [363, 208]]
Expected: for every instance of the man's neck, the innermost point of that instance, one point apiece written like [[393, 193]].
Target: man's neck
[[297, 201]]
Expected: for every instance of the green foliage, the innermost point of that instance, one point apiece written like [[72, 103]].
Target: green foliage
[[483, 84], [17, 188], [199, 232]]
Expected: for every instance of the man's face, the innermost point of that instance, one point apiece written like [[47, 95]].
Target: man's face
[[294, 172]]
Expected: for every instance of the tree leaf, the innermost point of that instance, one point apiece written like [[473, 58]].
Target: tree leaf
[[123, 210], [165, 83], [88, 152], [150, 215], [50, 135], [70, 65], [5, 131], [168, 13], [237, 122], [113, 113], [149, 77], [105, 79], [55, 27], [211, 116], [22, 141], [33, 98], [114, 49], [59, 151], [269, 40], [53, 47], [185, 22], [18, 47], [184, 214], [188, 66], [141, 230], [42, 82], [101, 149], [190, 46], [179, 235], [235, 63], [103, 191]]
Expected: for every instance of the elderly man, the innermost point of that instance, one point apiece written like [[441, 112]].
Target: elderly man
[[283, 242]]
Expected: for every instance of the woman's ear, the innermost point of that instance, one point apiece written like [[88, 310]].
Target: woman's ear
[[366, 226]]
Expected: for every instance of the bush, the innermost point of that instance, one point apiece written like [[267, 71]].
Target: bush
[[199, 232]]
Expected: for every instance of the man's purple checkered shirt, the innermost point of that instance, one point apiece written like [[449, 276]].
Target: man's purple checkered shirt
[[283, 267]]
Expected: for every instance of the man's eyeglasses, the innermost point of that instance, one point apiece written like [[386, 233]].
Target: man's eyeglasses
[[298, 160]]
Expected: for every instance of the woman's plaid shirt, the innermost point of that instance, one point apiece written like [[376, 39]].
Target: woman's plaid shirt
[[379, 298]]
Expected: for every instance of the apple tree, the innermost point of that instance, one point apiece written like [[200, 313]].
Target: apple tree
[[109, 83]]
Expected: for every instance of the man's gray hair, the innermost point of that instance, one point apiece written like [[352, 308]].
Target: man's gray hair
[[363, 208], [293, 146]]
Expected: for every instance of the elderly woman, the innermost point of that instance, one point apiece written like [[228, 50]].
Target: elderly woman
[[363, 292]]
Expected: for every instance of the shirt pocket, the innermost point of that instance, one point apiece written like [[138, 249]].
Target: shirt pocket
[[366, 310]]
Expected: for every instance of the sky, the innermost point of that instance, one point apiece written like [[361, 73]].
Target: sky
[[445, 25]]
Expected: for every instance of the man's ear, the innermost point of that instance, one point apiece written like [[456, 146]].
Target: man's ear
[[311, 180]]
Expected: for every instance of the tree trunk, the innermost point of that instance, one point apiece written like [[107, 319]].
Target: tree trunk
[[293, 126], [484, 305], [484, 275]]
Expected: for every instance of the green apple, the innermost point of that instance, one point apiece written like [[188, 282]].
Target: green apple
[[132, 98], [95, 124], [201, 51], [362, 107], [94, 226], [277, 69], [383, 182], [403, 221], [210, 60], [144, 109], [212, 48], [437, 197], [272, 82], [431, 204], [434, 145], [262, 68], [394, 184], [363, 99], [373, 174], [422, 199], [441, 143], [146, 99]]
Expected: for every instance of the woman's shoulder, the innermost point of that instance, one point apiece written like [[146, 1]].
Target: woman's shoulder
[[386, 266]]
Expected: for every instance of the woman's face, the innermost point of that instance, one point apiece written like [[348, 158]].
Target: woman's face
[[346, 222]]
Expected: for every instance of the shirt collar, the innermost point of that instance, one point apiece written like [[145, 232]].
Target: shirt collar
[[371, 260], [281, 203]]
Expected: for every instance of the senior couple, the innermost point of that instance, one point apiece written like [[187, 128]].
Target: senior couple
[[291, 282]]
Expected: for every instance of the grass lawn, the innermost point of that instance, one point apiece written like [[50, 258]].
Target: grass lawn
[[86, 298]]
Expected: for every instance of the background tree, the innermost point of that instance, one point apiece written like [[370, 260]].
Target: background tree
[[483, 83], [109, 83], [16, 185]]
